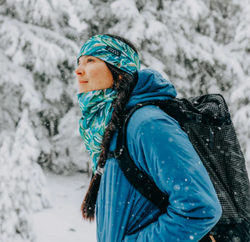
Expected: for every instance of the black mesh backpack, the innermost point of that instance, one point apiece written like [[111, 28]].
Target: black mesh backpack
[[207, 122]]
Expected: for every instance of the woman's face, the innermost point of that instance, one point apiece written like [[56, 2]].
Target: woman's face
[[93, 74]]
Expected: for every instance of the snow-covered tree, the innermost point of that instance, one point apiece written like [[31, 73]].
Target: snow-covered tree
[[202, 46], [37, 88], [22, 182], [240, 97], [37, 35], [23, 186]]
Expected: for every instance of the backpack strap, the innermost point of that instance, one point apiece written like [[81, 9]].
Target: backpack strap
[[138, 179]]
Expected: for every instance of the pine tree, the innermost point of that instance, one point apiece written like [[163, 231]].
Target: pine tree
[[240, 97], [14, 180], [202, 46], [37, 88], [22, 183], [41, 40]]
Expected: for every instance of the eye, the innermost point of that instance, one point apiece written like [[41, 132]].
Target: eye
[[89, 59]]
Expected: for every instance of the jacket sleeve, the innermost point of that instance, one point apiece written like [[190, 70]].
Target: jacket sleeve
[[160, 148]]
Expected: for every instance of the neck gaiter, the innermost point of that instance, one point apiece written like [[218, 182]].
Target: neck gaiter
[[96, 108]]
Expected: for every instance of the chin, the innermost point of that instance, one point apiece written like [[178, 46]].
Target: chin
[[83, 89]]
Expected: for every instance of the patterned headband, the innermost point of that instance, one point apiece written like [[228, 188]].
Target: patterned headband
[[113, 51]]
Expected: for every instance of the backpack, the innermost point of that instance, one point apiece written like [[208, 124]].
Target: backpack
[[207, 122]]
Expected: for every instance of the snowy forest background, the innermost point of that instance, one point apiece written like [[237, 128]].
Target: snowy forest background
[[201, 46]]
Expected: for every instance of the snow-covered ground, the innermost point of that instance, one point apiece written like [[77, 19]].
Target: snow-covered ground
[[63, 222]]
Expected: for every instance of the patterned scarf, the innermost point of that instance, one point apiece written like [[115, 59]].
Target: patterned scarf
[[96, 108]]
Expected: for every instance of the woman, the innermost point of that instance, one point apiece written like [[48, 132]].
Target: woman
[[110, 80]]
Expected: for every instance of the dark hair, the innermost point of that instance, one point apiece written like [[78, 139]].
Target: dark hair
[[124, 83]]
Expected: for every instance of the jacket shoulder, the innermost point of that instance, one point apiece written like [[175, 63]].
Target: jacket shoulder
[[149, 115]]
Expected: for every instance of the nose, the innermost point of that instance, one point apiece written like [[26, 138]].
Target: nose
[[79, 70]]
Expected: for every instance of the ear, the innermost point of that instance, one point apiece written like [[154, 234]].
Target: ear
[[120, 77]]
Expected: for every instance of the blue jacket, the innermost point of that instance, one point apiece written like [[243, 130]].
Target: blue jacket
[[160, 148]]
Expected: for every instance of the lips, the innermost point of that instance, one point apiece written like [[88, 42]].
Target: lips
[[82, 82]]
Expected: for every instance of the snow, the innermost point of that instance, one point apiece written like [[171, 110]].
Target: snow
[[200, 46], [63, 222]]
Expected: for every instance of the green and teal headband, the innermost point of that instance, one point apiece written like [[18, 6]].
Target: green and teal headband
[[113, 51]]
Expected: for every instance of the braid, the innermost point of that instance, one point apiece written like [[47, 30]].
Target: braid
[[124, 87], [124, 83]]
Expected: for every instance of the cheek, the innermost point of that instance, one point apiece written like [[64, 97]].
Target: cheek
[[102, 74], [98, 76], [108, 76], [97, 72]]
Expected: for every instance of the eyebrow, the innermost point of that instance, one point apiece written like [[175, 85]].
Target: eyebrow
[[83, 57]]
